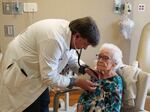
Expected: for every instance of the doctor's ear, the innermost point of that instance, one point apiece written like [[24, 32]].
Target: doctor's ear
[[77, 35]]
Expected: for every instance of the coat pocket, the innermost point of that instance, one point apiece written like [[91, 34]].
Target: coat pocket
[[14, 77]]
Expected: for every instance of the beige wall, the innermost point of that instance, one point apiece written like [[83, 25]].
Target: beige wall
[[141, 19], [100, 10]]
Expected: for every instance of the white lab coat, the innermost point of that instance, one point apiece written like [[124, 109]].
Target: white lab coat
[[42, 51]]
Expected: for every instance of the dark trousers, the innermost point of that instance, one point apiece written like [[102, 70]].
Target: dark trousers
[[41, 104]]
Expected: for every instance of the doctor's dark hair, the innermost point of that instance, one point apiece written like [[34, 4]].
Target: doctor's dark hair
[[87, 28]]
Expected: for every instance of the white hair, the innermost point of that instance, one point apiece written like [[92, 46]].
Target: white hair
[[116, 52]]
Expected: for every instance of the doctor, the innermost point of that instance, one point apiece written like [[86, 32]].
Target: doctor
[[35, 58]]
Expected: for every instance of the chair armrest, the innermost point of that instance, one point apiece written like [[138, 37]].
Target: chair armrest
[[142, 89], [59, 93]]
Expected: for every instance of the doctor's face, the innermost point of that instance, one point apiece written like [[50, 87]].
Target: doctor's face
[[79, 42]]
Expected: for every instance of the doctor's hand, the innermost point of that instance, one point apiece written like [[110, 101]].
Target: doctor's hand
[[85, 84]]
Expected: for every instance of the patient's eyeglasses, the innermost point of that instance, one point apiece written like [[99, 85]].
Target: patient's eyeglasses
[[102, 57]]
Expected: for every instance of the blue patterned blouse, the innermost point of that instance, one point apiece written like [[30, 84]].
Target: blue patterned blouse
[[106, 98]]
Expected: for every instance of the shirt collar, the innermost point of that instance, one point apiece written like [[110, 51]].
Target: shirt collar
[[68, 38]]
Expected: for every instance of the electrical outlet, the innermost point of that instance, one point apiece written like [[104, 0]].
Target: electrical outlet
[[30, 7], [141, 7], [9, 30]]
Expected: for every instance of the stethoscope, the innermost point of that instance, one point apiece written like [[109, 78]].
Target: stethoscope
[[79, 56]]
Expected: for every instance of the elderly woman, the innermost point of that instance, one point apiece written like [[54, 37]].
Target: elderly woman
[[108, 94]]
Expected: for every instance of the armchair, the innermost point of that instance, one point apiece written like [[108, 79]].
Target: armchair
[[143, 56], [136, 84]]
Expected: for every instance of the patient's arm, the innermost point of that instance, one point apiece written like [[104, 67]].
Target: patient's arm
[[92, 73]]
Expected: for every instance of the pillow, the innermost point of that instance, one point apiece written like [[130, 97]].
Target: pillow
[[129, 75]]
